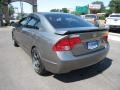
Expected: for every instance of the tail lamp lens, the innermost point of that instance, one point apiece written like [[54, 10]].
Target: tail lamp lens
[[66, 44]]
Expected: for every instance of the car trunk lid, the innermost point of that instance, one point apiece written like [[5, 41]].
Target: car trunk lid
[[92, 39]]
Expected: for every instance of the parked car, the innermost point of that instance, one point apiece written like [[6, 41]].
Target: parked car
[[113, 21], [59, 42], [93, 18], [11, 21]]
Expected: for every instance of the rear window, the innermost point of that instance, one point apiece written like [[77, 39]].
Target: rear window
[[114, 15], [90, 16], [66, 21]]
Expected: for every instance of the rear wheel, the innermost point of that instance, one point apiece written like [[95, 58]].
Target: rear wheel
[[37, 63]]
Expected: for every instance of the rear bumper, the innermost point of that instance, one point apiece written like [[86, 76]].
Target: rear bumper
[[65, 66]]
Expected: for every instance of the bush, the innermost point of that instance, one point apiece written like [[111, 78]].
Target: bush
[[102, 17]]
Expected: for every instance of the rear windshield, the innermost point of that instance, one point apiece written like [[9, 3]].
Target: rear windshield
[[90, 16], [66, 21], [114, 15]]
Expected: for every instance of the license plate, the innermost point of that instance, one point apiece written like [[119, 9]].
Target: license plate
[[92, 44]]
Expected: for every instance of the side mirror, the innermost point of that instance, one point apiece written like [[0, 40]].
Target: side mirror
[[14, 24]]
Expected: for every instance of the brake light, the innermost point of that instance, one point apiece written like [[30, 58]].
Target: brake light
[[66, 44]]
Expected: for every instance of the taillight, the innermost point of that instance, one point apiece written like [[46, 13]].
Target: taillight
[[66, 44], [105, 36]]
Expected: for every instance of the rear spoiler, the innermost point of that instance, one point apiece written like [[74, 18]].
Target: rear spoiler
[[58, 32]]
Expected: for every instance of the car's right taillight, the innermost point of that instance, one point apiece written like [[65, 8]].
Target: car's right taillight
[[66, 44]]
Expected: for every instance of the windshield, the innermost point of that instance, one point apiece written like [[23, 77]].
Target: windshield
[[114, 15], [66, 21]]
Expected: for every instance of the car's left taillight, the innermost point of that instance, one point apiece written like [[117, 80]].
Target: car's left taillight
[[66, 44]]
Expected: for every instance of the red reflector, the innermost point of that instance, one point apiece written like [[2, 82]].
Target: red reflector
[[105, 38], [66, 44]]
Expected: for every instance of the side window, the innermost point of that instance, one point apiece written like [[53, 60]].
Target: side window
[[33, 23], [24, 21]]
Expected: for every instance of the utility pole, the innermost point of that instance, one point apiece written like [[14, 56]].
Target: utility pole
[[21, 6]]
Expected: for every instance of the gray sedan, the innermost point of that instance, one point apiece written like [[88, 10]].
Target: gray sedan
[[59, 42]]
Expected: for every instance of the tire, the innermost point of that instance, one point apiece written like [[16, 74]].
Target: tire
[[37, 63], [15, 44]]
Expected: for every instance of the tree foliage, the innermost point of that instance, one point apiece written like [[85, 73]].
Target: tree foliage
[[55, 10], [1, 1], [65, 10], [115, 6], [11, 10]]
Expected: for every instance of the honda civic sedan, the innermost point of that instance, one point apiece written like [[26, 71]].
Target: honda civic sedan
[[60, 42]]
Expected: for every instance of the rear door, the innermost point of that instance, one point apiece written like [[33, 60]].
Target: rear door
[[18, 33], [29, 32]]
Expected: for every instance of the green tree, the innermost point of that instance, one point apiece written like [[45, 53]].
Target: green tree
[[107, 12], [11, 10], [65, 10], [115, 6], [1, 1], [55, 10]]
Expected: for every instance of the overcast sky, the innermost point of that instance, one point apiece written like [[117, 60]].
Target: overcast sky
[[47, 5]]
